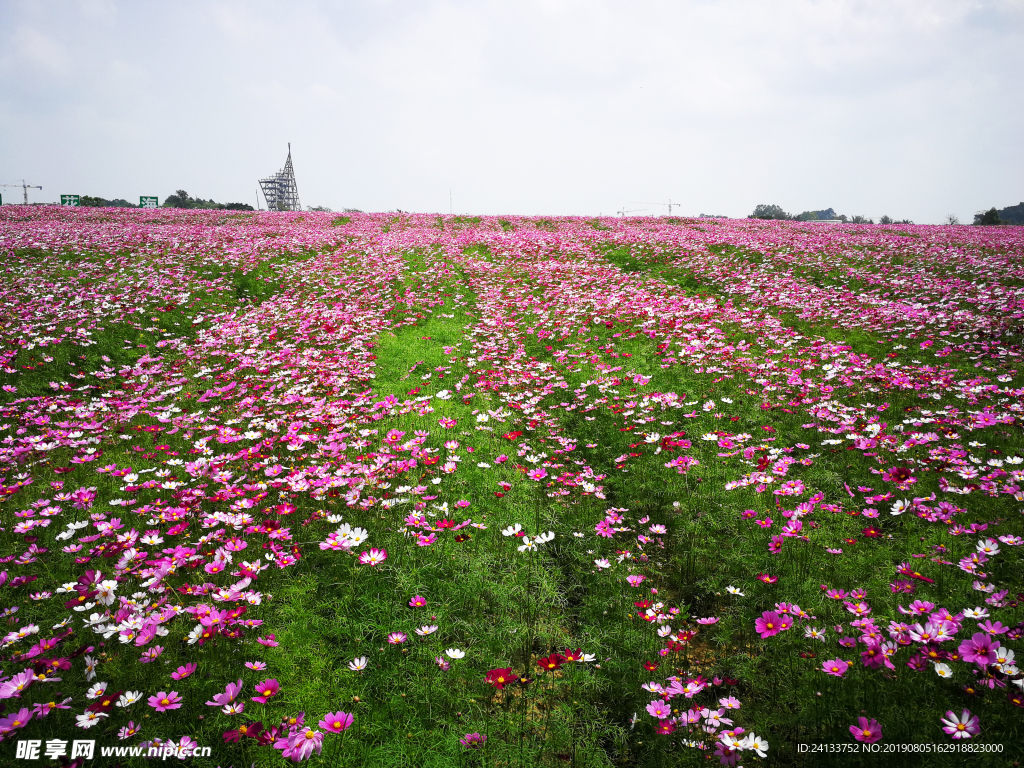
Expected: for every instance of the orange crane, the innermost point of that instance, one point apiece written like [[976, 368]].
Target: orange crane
[[24, 188]]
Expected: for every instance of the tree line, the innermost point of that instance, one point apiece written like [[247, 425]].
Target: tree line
[[776, 212]]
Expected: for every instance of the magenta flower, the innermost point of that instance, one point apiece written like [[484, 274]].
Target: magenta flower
[[300, 745], [659, 709], [835, 667], [229, 695], [397, 638], [769, 624], [268, 641], [373, 557], [867, 731], [336, 722], [418, 601], [266, 690], [963, 727], [981, 648], [184, 671], [635, 580], [165, 701], [537, 474], [473, 740]]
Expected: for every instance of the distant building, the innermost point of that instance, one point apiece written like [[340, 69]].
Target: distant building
[[280, 190]]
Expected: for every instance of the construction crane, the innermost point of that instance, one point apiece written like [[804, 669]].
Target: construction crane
[[670, 204], [623, 212], [24, 188]]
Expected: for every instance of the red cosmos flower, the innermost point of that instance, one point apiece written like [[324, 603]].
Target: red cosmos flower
[[552, 662], [871, 532], [650, 666], [248, 729], [499, 678], [105, 702], [513, 435], [573, 655], [766, 578]]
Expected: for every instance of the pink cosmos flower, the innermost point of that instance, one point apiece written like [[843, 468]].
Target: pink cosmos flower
[[229, 695], [835, 667], [336, 722], [537, 474], [418, 601], [266, 690], [270, 641], [867, 731], [981, 648], [301, 744], [397, 638], [635, 580], [963, 727], [659, 709], [165, 701], [184, 671], [373, 557], [768, 625], [473, 740]]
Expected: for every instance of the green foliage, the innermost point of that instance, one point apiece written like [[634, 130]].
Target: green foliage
[[181, 199], [764, 211], [988, 218], [88, 201], [1012, 214]]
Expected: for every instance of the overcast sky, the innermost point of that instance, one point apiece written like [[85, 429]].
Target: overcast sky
[[911, 108]]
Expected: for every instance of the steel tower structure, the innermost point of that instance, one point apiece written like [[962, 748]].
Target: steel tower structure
[[280, 190]]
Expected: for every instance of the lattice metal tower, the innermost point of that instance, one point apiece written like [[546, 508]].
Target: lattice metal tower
[[280, 190]]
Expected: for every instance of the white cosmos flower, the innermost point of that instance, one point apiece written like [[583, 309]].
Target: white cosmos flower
[[89, 719], [357, 664], [455, 653], [734, 591], [426, 629], [96, 691], [943, 670], [602, 563], [128, 698], [512, 530]]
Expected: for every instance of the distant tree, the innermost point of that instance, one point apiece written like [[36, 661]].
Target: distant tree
[[88, 201], [1012, 214], [318, 209], [179, 199], [806, 216], [350, 210], [951, 219], [858, 219], [903, 221], [886, 220], [988, 218], [235, 207], [769, 212]]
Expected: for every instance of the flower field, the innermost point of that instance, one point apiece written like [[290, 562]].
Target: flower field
[[419, 490]]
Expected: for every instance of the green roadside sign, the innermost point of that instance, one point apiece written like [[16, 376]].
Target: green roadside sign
[[70, 200], [148, 202]]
